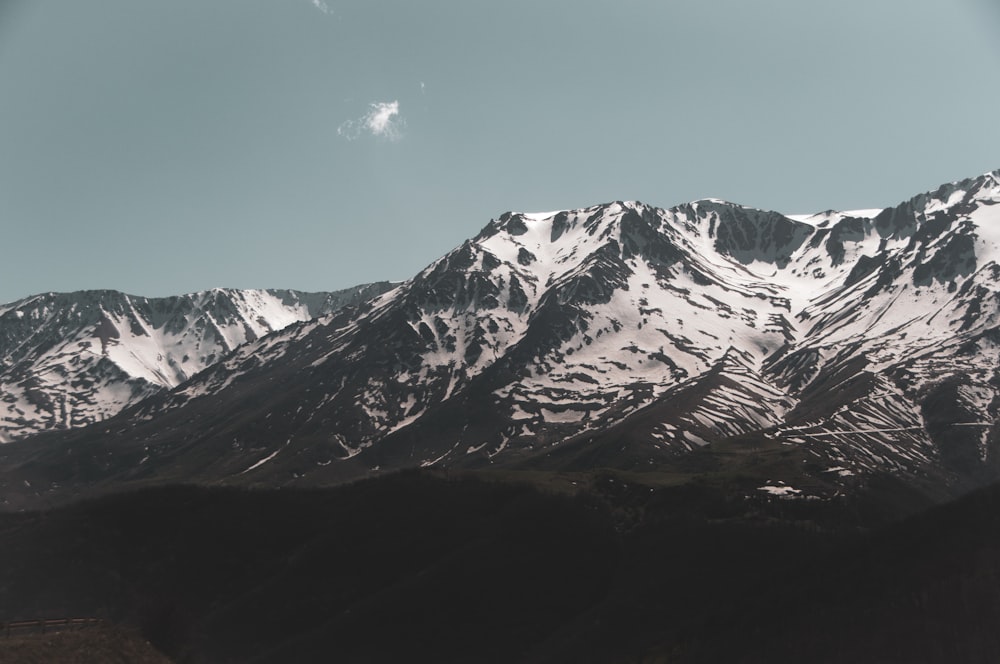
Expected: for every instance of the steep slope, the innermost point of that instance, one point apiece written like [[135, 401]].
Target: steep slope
[[71, 359], [540, 327], [845, 344], [906, 341]]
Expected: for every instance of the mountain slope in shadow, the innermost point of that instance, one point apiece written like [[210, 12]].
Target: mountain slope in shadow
[[430, 567]]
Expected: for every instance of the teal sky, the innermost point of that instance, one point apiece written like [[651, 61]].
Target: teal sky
[[161, 147]]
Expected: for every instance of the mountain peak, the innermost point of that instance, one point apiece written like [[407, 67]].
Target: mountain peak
[[69, 359], [629, 335]]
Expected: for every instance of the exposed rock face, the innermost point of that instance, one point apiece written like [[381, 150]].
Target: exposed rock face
[[71, 359], [628, 336]]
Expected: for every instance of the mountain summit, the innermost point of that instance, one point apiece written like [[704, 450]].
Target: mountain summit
[[852, 344], [71, 359]]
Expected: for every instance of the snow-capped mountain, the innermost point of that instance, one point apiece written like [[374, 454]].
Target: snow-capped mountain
[[71, 359], [623, 335]]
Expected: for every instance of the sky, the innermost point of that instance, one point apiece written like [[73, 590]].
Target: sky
[[161, 147]]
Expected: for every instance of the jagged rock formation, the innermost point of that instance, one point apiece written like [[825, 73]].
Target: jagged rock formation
[[622, 335], [71, 359]]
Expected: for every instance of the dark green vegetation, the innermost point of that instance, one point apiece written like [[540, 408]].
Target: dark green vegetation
[[433, 567]]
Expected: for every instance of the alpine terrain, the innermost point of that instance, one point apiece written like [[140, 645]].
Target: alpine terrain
[[709, 433], [71, 359], [841, 346]]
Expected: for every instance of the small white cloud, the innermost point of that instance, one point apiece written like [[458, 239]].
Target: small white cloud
[[322, 6], [383, 118], [382, 121]]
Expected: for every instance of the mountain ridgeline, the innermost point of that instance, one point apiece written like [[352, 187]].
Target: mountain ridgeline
[[72, 359], [824, 351]]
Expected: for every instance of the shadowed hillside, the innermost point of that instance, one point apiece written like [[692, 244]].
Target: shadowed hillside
[[420, 567]]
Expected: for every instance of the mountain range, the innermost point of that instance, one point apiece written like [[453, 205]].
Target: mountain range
[[72, 359], [801, 356], [619, 433]]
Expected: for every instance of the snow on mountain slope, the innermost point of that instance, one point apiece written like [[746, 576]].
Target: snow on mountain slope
[[594, 311], [865, 341], [916, 315], [69, 359]]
